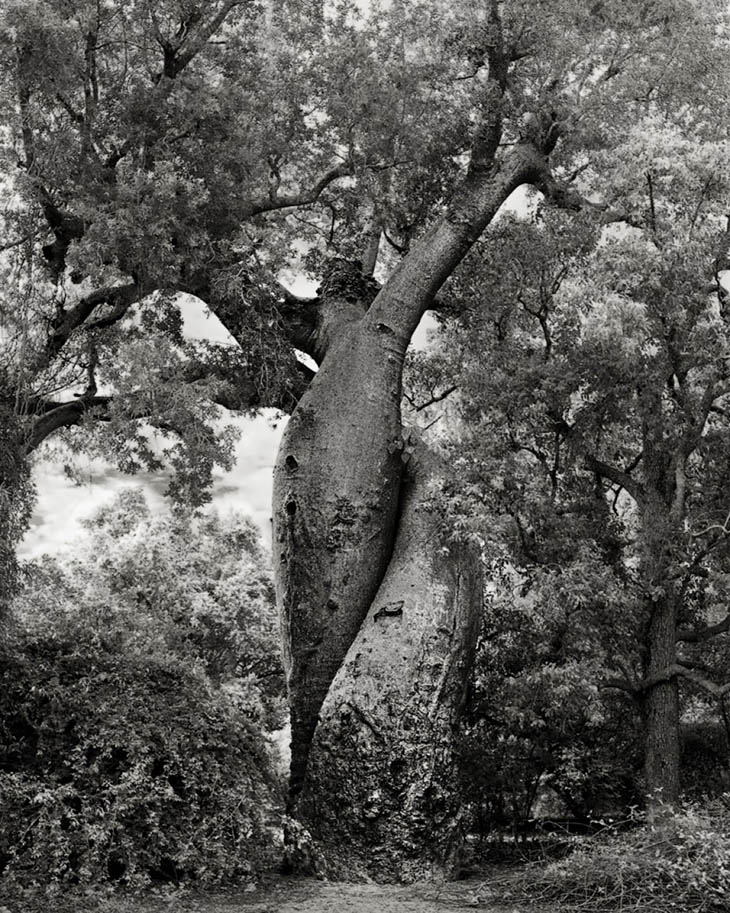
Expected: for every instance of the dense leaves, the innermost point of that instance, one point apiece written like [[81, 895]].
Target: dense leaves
[[137, 694], [597, 432]]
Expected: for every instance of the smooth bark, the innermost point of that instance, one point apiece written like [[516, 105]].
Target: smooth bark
[[390, 715], [337, 508], [336, 491]]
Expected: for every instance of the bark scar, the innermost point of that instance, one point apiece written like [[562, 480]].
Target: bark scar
[[389, 610]]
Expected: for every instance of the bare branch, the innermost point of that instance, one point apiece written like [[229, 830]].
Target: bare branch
[[621, 684], [723, 528], [436, 398], [274, 202]]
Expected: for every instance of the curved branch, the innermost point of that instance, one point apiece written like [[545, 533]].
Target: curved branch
[[618, 477], [120, 297], [63, 415], [700, 635], [274, 202], [413, 285]]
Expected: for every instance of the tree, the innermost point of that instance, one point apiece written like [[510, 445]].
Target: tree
[[600, 430], [185, 148], [539, 727]]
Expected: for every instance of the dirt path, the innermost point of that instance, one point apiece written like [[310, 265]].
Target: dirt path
[[310, 896], [288, 895]]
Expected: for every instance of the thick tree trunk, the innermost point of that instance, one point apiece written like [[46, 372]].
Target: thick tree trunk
[[380, 796], [336, 493], [376, 787]]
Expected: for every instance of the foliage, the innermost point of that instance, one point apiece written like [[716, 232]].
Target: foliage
[[191, 586], [593, 379], [538, 724], [137, 692], [193, 147], [680, 864]]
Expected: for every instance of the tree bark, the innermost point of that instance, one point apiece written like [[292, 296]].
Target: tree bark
[[381, 805], [379, 796], [661, 707], [661, 700], [336, 491]]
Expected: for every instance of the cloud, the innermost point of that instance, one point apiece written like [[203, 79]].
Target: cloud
[[63, 503]]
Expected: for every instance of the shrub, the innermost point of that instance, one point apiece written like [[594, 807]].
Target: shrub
[[127, 768], [681, 864], [137, 688]]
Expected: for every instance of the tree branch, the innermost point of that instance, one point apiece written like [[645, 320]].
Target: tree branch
[[700, 635], [488, 132], [196, 41], [701, 682], [121, 297], [676, 670], [303, 198], [63, 415], [618, 477], [411, 288], [436, 398], [621, 684]]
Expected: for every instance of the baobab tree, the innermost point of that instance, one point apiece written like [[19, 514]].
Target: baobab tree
[[191, 147]]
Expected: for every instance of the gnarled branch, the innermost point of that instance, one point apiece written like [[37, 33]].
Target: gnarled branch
[[273, 202], [120, 297]]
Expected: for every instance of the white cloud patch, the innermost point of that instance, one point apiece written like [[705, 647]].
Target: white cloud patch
[[63, 503]]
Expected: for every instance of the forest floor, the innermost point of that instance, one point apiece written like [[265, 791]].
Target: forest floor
[[296, 895]]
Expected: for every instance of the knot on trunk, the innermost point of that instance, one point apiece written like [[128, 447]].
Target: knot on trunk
[[344, 280]]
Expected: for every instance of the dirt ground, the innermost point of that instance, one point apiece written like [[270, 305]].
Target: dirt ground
[[279, 894], [297, 895]]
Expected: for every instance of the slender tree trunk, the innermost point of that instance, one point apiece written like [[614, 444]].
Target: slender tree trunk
[[661, 708], [661, 701]]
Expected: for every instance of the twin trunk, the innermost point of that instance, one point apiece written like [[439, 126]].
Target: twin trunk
[[379, 614]]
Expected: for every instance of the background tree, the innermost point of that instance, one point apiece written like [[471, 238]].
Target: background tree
[[541, 737], [407, 126], [599, 429]]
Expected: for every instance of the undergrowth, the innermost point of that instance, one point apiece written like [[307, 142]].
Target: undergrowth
[[679, 864]]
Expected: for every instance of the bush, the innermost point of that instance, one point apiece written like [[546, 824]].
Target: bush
[[126, 768], [681, 864], [138, 687]]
